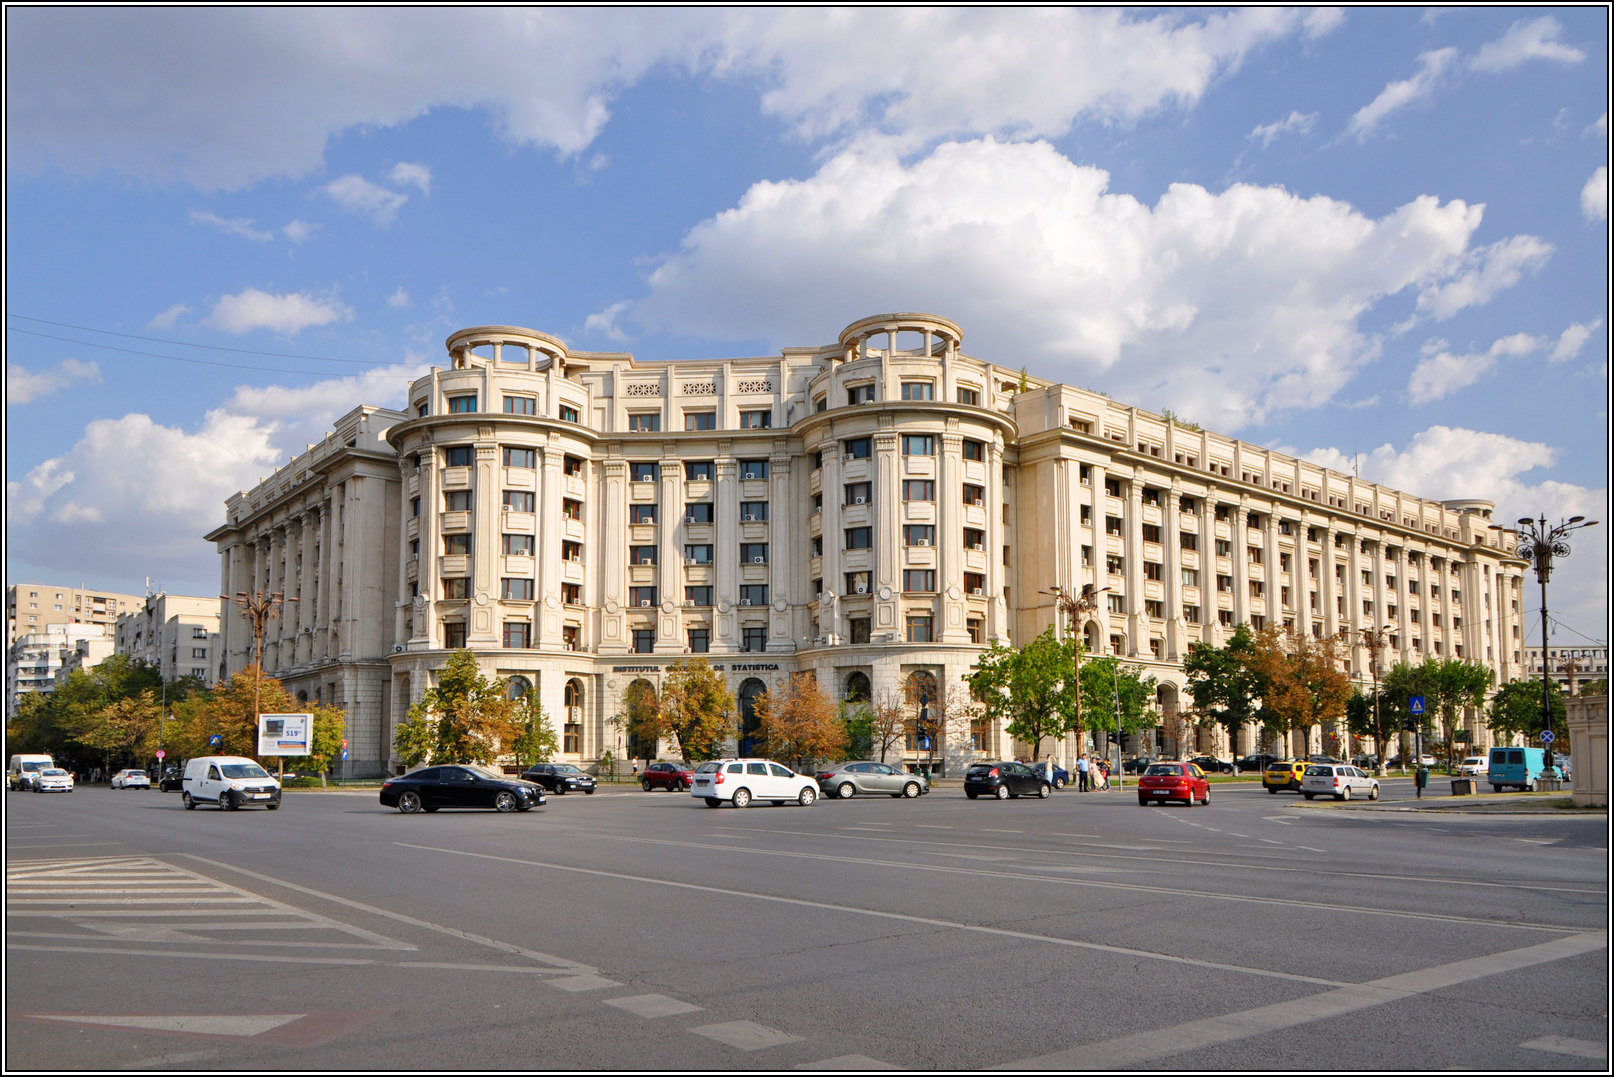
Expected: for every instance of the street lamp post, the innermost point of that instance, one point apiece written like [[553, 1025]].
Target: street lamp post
[[1539, 544], [1074, 607], [258, 608], [1373, 640]]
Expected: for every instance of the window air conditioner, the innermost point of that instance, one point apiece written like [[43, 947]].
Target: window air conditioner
[[978, 591], [745, 601], [859, 500], [759, 560], [922, 542], [644, 602], [689, 519], [750, 518], [862, 588], [851, 456]]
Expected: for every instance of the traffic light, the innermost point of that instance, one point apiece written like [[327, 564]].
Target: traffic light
[[1408, 725], [1126, 741]]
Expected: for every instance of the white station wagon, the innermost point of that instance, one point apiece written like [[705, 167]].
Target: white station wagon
[[745, 780], [1338, 780]]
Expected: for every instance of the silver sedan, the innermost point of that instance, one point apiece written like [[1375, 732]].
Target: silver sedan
[[845, 780]]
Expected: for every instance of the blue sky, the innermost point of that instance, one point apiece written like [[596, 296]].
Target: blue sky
[[1377, 238]]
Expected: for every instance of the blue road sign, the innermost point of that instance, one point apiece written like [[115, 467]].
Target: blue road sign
[[1417, 704], [215, 740], [344, 753], [1547, 737]]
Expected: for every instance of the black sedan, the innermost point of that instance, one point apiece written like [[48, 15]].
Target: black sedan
[[1004, 780], [1137, 764], [1257, 763], [559, 778], [459, 786], [1211, 765]]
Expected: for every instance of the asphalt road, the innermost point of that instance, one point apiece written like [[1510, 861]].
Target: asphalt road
[[629, 931]]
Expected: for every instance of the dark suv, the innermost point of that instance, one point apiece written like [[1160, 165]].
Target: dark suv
[[1004, 780], [559, 778]]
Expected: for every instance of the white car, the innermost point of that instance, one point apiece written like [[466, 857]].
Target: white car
[[53, 780], [1473, 766], [744, 780], [1338, 780], [131, 779]]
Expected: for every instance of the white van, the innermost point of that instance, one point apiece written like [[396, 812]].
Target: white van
[[24, 770], [230, 781]]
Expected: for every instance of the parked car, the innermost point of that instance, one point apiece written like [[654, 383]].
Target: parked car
[[460, 786], [1173, 781], [1004, 780], [559, 778], [1137, 764], [1515, 767], [1338, 780], [1211, 765], [23, 769], [1425, 760], [131, 779], [1366, 762], [230, 781], [673, 777], [173, 780], [53, 780], [1473, 766], [1284, 774], [845, 780], [1257, 763], [740, 781]]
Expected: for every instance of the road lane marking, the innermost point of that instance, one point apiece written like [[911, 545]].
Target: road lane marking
[[847, 1062], [1564, 1045], [1140, 1048], [745, 1035], [653, 1006]]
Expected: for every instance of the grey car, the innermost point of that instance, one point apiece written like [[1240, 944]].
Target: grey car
[[845, 780]]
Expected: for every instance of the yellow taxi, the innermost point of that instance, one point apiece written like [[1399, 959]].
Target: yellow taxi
[[1283, 774]]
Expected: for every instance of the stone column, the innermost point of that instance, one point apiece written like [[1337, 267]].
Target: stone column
[[950, 542], [546, 544], [997, 610], [725, 631], [782, 540], [606, 556], [832, 489], [1137, 621], [1239, 555], [1101, 549], [482, 629], [1171, 538], [888, 475]]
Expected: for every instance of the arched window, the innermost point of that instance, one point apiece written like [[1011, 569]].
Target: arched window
[[571, 741], [857, 687], [638, 707], [751, 691], [517, 687], [921, 694]]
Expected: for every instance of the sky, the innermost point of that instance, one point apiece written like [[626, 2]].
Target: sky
[[1373, 238]]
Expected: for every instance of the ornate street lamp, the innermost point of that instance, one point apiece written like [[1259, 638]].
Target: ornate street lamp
[[258, 608], [1539, 544], [1373, 640], [1076, 607]]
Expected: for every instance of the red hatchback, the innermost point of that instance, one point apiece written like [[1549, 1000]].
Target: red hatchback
[[1173, 781], [673, 777]]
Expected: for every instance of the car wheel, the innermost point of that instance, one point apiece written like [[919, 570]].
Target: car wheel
[[1143, 802], [972, 796], [588, 792], [559, 790], [679, 786], [1206, 801], [273, 805], [806, 797], [1308, 796], [845, 790], [712, 802], [1496, 788], [646, 784], [1002, 792], [504, 801], [910, 790], [1273, 790], [409, 803], [1044, 790], [185, 798], [1373, 793], [224, 802], [1346, 795], [742, 798], [1059, 783]]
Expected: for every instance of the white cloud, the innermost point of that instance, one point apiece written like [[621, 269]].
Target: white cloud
[[1294, 122], [168, 318], [234, 226], [1482, 273], [24, 386], [1594, 196], [1039, 261], [1525, 41], [1571, 340], [298, 415], [1598, 128], [233, 115], [405, 174], [288, 314], [399, 299], [355, 194], [1441, 373], [300, 231], [1398, 95]]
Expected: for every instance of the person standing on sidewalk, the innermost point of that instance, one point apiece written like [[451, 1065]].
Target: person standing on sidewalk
[[1081, 774]]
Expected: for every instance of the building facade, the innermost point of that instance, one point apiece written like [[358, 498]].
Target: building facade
[[178, 634], [876, 511], [35, 658], [1572, 667], [33, 607]]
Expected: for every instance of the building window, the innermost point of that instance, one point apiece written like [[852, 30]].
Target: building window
[[754, 512], [571, 508], [1156, 610], [919, 390], [754, 639], [859, 448], [857, 583], [573, 466], [520, 458], [700, 420], [520, 405], [458, 456], [454, 635], [1191, 614], [756, 420], [918, 445], [1115, 564], [571, 594], [1153, 570], [919, 579], [569, 414], [974, 495], [698, 512], [641, 514], [697, 596], [642, 597], [860, 394], [571, 551], [700, 640], [918, 490], [969, 396], [518, 545], [456, 544], [460, 405], [919, 630], [974, 539], [975, 583], [641, 555], [516, 589], [456, 587], [519, 500], [974, 450], [859, 538], [1112, 525], [457, 501], [753, 469], [918, 535], [858, 493], [858, 630], [754, 594], [698, 554], [644, 640], [1151, 533], [698, 471], [642, 471], [1117, 603], [517, 634], [753, 553], [644, 422], [1190, 577]]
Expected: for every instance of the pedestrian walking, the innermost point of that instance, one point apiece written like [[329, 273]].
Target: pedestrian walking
[[1081, 774], [1104, 773]]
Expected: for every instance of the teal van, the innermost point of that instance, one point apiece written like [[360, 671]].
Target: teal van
[[1518, 767]]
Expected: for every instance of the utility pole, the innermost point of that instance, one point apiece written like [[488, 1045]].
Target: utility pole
[[1373, 640]]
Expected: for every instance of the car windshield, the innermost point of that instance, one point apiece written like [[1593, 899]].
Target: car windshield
[[243, 770], [566, 768], [485, 772], [1163, 768], [53, 772]]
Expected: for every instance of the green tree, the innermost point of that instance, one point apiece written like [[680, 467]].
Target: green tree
[[1598, 687], [465, 718], [327, 728], [857, 718], [125, 731], [1516, 709], [1222, 682], [227, 712], [640, 719], [1031, 689], [798, 722], [696, 709], [1302, 679], [1363, 722], [1103, 679], [537, 741]]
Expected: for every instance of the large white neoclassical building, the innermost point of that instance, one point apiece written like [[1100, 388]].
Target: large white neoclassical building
[[872, 510]]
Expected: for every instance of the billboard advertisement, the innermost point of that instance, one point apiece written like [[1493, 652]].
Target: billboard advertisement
[[284, 734]]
